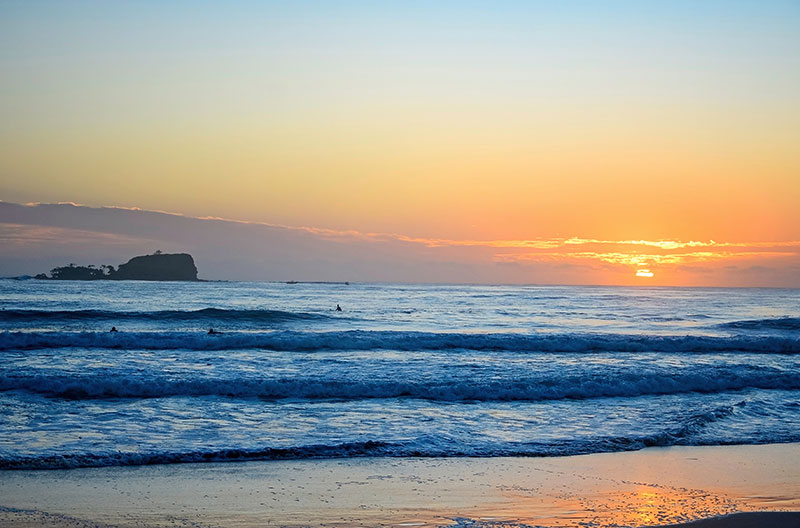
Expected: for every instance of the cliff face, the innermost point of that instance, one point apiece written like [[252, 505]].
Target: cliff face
[[159, 267]]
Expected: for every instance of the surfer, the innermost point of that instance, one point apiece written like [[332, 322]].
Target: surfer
[[338, 308], [211, 331], [113, 329]]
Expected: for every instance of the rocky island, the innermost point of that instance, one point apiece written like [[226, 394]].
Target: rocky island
[[156, 267]]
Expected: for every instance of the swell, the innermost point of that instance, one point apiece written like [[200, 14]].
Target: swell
[[205, 314], [430, 447], [530, 386], [398, 340], [777, 323]]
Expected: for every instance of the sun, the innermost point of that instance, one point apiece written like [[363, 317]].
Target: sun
[[644, 273]]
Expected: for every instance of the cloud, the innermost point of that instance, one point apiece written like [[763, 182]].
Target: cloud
[[21, 235], [36, 235]]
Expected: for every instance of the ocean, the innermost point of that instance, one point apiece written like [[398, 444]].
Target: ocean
[[402, 371]]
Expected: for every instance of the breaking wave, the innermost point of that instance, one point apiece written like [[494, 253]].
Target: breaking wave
[[429, 446], [398, 340], [530, 386]]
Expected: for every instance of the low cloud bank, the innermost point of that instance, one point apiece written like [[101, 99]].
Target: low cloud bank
[[37, 237]]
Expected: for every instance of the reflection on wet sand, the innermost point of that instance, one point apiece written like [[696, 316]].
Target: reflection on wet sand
[[652, 487]]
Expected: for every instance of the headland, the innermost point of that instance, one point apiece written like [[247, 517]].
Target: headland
[[156, 267]]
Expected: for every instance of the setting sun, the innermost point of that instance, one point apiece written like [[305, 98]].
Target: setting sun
[[644, 273]]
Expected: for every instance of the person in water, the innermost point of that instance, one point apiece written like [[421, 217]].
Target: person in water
[[338, 308], [211, 331], [113, 329]]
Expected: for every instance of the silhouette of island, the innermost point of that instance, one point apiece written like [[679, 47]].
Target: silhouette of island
[[156, 267]]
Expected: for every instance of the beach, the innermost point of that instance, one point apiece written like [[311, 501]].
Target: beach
[[651, 487]]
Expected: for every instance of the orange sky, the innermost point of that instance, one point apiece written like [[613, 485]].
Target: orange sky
[[504, 121]]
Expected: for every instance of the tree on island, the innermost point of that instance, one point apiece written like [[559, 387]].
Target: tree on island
[[73, 272]]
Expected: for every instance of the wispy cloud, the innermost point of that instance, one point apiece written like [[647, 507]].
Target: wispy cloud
[[640, 259], [21, 235], [571, 245]]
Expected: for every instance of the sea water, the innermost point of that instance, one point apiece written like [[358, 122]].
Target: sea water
[[401, 371]]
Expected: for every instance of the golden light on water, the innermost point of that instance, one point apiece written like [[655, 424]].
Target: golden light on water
[[644, 273]]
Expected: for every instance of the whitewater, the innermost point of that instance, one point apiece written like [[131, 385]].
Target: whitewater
[[402, 371]]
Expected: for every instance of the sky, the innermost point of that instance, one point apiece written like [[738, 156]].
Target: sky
[[543, 142]]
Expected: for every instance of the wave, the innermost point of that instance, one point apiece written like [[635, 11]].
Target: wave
[[67, 461], [428, 446], [205, 314], [529, 386], [398, 340], [777, 323]]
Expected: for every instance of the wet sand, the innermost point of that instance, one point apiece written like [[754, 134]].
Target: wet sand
[[747, 520], [652, 487]]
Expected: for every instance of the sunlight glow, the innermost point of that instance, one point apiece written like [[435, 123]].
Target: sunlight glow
[[644, 273]]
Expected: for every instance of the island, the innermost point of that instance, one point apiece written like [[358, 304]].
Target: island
[[156, 267]]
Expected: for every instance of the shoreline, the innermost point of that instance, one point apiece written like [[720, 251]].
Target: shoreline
[[651, 487]]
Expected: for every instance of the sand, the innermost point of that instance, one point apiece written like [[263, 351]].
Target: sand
[[652, 487]]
